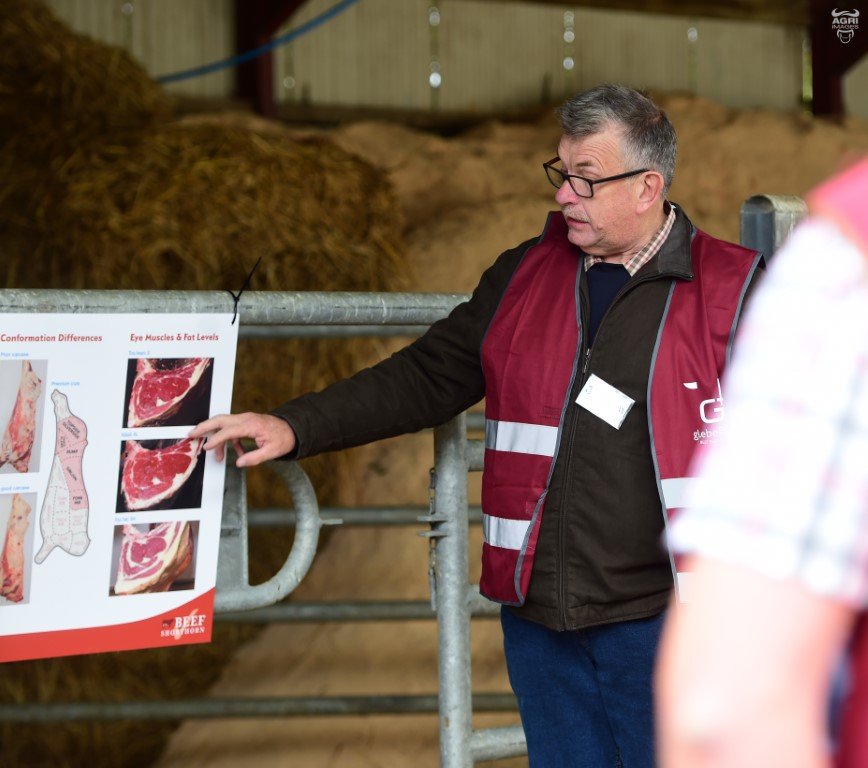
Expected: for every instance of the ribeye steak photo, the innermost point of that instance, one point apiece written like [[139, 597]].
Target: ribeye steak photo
[[155, 477], [164, 387], [150, 561]]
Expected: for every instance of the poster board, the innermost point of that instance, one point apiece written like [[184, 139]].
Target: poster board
[[109, 513]]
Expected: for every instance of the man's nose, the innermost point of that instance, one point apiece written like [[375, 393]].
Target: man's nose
[[565, 194]]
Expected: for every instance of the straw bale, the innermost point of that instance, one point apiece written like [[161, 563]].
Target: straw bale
[[75, 85], [102, 191], [58, 91], [193, 206]]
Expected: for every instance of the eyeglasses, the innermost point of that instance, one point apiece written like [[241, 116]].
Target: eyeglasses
[[580, 185]]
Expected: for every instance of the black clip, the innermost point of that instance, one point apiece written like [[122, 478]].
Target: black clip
[[237, 296]]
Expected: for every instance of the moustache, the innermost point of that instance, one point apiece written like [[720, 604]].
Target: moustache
[[570, 215]]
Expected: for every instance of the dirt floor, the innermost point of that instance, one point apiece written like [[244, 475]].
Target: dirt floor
[[463, 201]]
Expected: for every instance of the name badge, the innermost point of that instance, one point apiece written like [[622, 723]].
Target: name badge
[[604, 401]]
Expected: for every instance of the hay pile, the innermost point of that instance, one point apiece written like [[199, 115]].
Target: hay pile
[[194, 205], [59, 91], [47, 72], [102, 189]]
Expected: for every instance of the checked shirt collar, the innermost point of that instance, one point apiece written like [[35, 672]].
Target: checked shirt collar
[[648, 251]]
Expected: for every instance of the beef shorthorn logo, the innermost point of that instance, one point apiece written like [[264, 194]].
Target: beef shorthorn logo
[[180, 626], [845, 24]]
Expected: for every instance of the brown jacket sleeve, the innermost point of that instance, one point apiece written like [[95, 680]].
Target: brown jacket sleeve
[[425, 384]]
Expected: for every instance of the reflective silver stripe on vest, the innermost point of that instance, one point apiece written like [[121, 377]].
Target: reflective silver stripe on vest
[[516, 437], [677, 491], [503, 533]]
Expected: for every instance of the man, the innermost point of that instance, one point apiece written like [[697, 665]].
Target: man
[[779, 520], [618, 302]]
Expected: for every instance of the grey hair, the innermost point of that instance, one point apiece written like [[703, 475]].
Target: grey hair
[[648, 139]]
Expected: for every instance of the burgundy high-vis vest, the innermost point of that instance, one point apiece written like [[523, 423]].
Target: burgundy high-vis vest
[[530, 358], [844, 199]]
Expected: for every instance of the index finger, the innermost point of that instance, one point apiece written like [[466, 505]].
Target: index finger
[[229, 431], [210, 425]]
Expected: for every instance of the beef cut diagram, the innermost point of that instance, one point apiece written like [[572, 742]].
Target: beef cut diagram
[[63, 519]]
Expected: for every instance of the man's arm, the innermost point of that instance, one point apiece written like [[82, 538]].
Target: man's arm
[[743, 673], [422, 385]]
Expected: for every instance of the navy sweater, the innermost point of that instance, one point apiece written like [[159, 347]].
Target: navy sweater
[[604, 282]]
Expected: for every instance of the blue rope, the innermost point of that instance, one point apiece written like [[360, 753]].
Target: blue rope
[[234, 61]]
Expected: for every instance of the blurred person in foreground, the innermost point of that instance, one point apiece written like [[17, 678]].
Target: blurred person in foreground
[[598, 346], [778, 524]]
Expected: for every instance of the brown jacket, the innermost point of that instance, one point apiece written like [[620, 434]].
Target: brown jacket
[[599, 557]]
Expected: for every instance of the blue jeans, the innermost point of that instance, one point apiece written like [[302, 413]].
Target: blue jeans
[[585, 697]]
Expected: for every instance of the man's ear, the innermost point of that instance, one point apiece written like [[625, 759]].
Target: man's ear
[[649, 191]]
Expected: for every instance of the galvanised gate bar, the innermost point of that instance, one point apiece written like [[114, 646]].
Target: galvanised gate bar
[[765, 222]]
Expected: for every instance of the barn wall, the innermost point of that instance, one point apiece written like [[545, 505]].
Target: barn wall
[[164, 35], [490, 55], [856, 87], [494, 56]]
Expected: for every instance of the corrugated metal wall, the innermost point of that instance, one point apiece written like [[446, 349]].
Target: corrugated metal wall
[[164, 35], [856, 87], [500, 55], [490, 55]]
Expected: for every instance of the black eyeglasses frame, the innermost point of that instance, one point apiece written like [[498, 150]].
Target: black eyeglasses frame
[[549, 166]]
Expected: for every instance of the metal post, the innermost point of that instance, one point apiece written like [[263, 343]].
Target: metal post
[[453, 612], [767, 220], [271, 706], [498, 743], [232, 563], [233, 592], [368, 610], [277, 517], [256, 308]]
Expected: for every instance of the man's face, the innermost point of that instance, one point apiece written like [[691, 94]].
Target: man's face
[[605, 224]]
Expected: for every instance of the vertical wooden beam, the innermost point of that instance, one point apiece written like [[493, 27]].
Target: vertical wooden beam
[[831, 58], [256, 21]]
